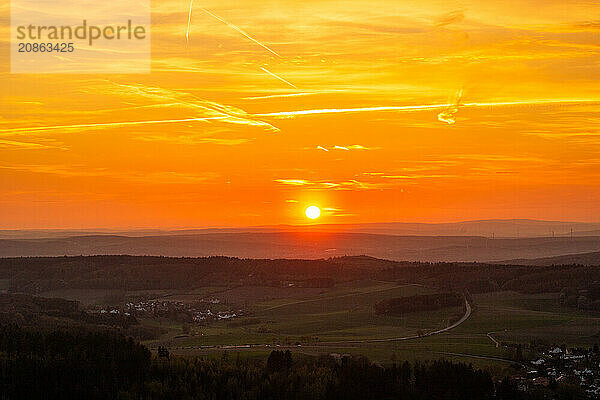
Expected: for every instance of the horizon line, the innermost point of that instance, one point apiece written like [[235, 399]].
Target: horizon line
[[307, 225]]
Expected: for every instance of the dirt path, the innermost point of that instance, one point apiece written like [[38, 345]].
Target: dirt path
[[489, 335]]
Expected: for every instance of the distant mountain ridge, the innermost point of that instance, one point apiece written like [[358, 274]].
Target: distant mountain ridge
[[588, 259], [307, 245], [498, 228]]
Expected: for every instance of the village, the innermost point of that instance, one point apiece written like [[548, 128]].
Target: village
[[199, 312], [561, 364]]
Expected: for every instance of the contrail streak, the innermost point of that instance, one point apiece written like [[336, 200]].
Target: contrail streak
[[246, 118], [273, 96], [106, 124], [26, 145], [187, 31], [278, 77], [351, 110], [240, 31], [531, 102], [425, 107]]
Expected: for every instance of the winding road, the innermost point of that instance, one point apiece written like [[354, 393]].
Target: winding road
[[468, 311]]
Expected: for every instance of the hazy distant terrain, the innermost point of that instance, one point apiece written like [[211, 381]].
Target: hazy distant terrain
[[592, 259], [498, 228], [306, 245]]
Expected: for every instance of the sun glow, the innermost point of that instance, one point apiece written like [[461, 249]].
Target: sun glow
[[413, 111], [313, 212]]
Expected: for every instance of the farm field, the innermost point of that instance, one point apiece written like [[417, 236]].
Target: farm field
[[90, 297], [341, 314], [341, 319], [520, 318], [308, 324]]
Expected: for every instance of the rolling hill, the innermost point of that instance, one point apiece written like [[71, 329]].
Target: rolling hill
[[309, 245]]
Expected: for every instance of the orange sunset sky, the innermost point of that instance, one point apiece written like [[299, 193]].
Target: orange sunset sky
[[375, 111]]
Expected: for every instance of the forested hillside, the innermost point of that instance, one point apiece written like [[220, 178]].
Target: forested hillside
[[38, 364], [39, 274]]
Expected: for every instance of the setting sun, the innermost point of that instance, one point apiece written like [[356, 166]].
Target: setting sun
[[313, 212]]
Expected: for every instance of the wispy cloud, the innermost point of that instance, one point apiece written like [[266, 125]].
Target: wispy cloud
[[450, 18], [193, 139], [517, 142], [344, 148], [82, 171], [277, 96], [58, 169], [13, 144], [351, 184], [448, 115], [212, 111]]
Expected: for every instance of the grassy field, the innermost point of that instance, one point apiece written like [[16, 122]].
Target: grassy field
[[522, 318], [90, 297], [345, 314], [285, 317], [311, 316]]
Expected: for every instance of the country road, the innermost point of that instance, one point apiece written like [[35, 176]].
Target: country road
[[468, 311], [467, 314]]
